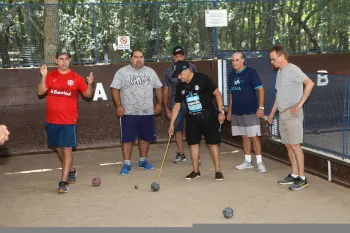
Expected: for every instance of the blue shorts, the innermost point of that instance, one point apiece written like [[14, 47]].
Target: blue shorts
[[60, 135], [141, 126], [180, 121]]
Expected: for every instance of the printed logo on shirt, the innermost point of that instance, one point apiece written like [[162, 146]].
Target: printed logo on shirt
[[139, 79], [196, 87], [55, 92], [193, 103], [70, 82], [236, 84]]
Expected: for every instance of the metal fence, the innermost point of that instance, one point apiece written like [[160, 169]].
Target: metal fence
[[31, 33], [326, 112]]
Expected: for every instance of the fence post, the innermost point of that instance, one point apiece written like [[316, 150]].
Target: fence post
[[324, 18], [29, 35], [215, 34], [157, 41], [95, 33]]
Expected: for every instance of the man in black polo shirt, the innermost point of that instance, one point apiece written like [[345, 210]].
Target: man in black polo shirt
[[197, 90]]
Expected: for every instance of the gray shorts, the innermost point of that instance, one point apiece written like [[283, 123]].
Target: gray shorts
[[246, 125], [291, 126]]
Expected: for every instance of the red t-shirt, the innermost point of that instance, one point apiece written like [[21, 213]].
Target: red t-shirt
[[62, 96]]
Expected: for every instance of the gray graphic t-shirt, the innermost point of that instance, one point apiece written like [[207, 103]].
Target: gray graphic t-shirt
[[170, 81], [136, 89]]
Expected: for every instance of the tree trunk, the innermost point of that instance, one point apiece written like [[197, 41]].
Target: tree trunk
[[51, 31]]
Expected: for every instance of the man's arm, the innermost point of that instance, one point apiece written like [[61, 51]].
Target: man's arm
[[261, 96], [158, 107], [174, 113], [165, 97], [90, 90], [309, 84], [272, 113], [218, 99], [41, 90], [116, 97]]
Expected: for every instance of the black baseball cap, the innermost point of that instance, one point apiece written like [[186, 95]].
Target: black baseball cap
[[178, 50], [179, 67]]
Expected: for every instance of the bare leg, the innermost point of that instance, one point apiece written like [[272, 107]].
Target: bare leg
[[214, 151], [179, 143], [292, 159], [127, 150], [247, 147], [194, 149], [67, 161], [143, 148], [59, 155], [256, 145], [299, 156]]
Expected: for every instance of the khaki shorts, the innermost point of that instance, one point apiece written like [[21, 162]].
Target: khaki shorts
[[291, 126]]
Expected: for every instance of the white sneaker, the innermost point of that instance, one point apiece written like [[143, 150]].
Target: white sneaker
[[245, 165], [261, 167]]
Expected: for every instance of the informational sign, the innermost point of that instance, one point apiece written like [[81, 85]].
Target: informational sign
[[216, 18], [123, 42]]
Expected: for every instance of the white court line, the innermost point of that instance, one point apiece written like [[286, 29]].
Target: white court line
[[230, 152], [108, 164], [52, 169]]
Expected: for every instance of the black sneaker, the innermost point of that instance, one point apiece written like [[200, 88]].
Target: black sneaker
[[193, 175], [63, 187], [288, 180], [72, 176], [299, 184], [219, 176], [180, 158]]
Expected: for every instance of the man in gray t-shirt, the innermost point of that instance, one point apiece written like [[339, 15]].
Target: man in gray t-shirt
[[132, 92], [290, 98]]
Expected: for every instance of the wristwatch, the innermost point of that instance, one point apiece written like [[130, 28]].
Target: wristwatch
[[222, 112], [262, 108]]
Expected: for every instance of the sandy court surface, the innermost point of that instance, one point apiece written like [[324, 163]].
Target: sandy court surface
[[30, 199]]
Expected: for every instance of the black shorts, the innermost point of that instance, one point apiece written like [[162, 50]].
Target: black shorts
[[208, 127]]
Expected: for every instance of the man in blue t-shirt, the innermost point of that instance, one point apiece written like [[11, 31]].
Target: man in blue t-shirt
[[245, 108]]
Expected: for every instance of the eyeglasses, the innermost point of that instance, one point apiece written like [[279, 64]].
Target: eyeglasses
[[274, 59]]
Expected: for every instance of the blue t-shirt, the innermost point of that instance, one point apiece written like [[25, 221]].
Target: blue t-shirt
[[242, 86]]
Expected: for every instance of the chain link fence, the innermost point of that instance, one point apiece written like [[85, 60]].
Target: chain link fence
[[31, 33]]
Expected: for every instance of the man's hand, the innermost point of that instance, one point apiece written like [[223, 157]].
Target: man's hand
[[168, 113], [221, 118], [4, 134], [270, 118], [294, 109], [259, 113], [171, 130], [120, 111], [43, 70], [157, 109], [90, 79]]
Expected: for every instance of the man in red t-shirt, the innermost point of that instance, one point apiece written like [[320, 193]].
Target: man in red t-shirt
[[62, 86]]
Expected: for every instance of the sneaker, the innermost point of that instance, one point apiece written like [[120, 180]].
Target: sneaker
[[219, 176], [299, 184], [245, 165], [146, 165], [180, 158], [72, 176], [125, 169], [193, 175], [261, 167], [63, 187], [199, 162], [288, 180]]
